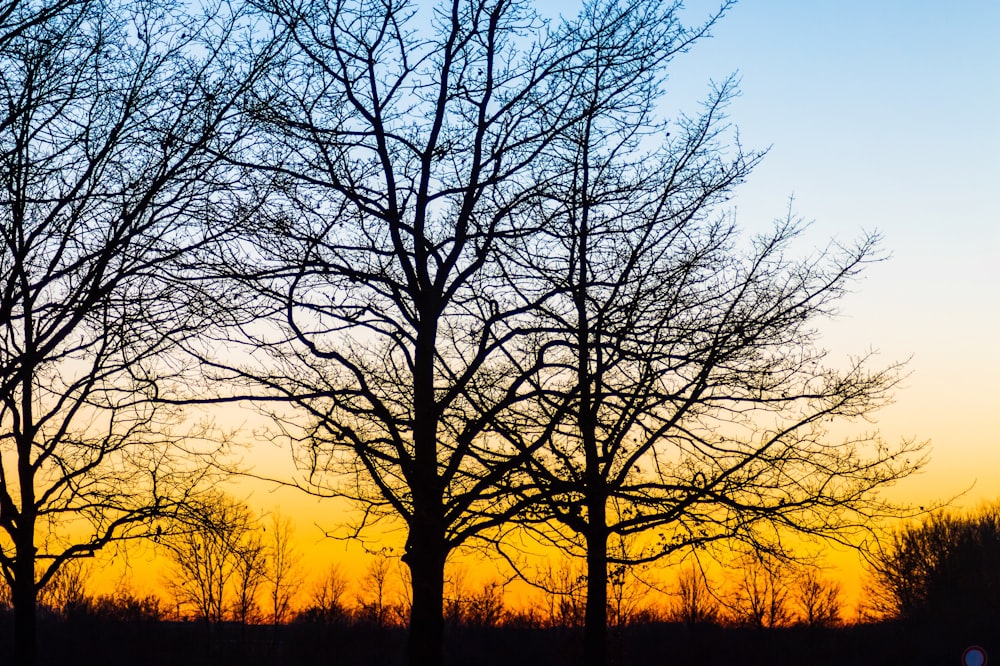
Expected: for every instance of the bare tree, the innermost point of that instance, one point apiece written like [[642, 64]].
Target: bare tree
[[627, 588], [819, 600], [477, 606], [218, 560], [627, 595], [694, 602], [66, 593], [942, 569], [327, 603], [456, 594], [679, 385], [114, 116], [485, 607], [250, 570], [126, 605], [762, 593], [484, 229], [396, 160], [376, 586], [284, 572], [564, 586]]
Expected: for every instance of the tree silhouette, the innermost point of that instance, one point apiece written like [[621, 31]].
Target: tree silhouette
[[943, 569], [395, 157], [694, 601], [819, 600], [66, 594], [627, 591], [285, 570], [485, 607], [114, 116], [496, 286], [328, 599], [252, 567], [761, 595], [479, 608], [676, 377], [219, 560], [376, 584]]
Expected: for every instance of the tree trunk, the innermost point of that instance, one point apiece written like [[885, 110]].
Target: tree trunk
[[426, 636], [23, 592], [425, 545], [595, 627], [24, 600]]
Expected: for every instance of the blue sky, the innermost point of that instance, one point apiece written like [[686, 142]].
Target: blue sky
[[882, 115]]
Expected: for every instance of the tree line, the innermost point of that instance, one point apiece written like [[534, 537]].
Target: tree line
[[763, 596], [915, 582], [479, 284], [939, 570]]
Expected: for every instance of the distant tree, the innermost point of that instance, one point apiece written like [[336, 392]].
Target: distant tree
[[217, 557], [819, 600], [403, 607], [113, 117], [626, 591], [762, 592], [125, 605], [945, 568], [376, 588], [694, 602], [251, 569], [478, 607], [564, 587], [455, 594], [284, 571], [485, 607], [327, 603], [66, 594]]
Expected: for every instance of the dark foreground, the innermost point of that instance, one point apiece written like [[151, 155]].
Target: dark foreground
[[85, 642]]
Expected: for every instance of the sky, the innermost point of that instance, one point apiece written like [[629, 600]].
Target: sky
[[879, 115]]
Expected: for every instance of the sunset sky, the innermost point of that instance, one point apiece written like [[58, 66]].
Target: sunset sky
[[880, 116]]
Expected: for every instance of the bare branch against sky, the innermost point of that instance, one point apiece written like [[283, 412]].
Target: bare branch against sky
[[478, 215], [114, 117], [397, 153], [676, 373]]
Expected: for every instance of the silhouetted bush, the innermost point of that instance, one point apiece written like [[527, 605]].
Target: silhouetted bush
[[127, 606], [944, 570]]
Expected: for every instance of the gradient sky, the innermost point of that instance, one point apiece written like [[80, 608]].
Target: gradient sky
[[880, 115]]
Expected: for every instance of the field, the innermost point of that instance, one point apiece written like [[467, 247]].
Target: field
[[86, 642]]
